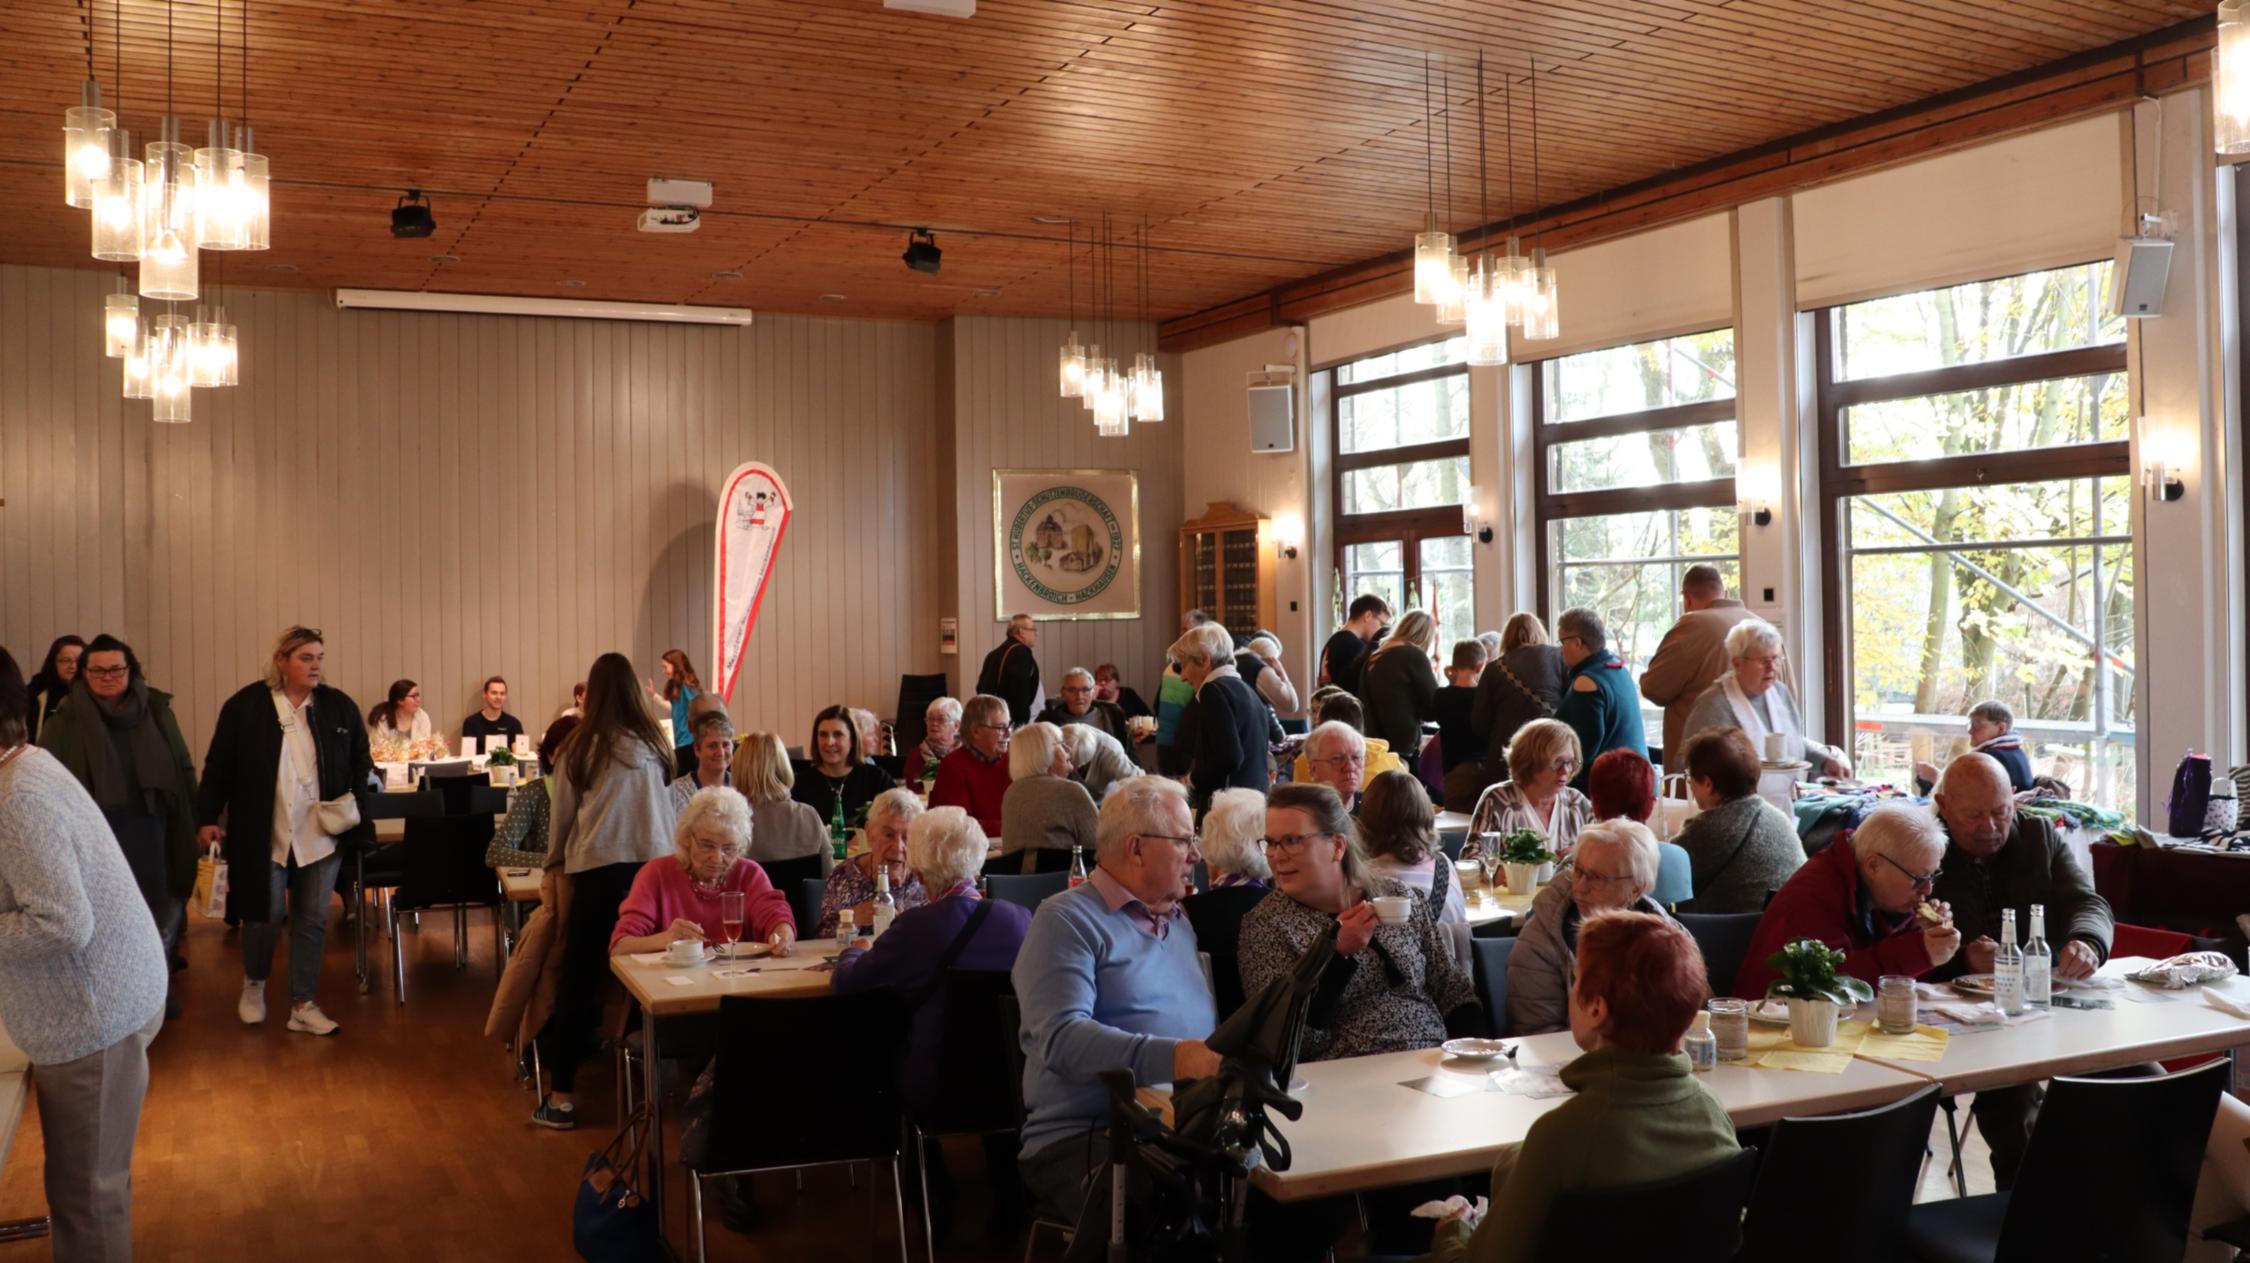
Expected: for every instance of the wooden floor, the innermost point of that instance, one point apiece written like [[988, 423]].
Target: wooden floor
[[406, 1136]]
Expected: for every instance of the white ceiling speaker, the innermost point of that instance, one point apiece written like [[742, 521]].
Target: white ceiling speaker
[[671, 219], [942, 8], [663, 192]]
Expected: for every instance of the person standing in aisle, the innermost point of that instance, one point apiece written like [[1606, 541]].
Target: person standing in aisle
[[287, 762], [1344, 657], [1011, 673]]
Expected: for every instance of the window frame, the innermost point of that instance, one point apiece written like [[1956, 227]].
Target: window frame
[[1841, 482], [1407, 526]]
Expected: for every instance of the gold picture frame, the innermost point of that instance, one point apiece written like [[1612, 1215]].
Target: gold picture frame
[[1061, 548]]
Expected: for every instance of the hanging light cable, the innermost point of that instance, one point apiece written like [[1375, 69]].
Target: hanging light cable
[[1487, 303], [1433, 250], [1542, 320], [1070, 364], [86, 128], [1451, 308], [117, 196], [253, 195], [220, 203], [1513, 279], [168, 253]]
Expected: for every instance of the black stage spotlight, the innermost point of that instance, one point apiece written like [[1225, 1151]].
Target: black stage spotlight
[[412, 217], [922, 253]]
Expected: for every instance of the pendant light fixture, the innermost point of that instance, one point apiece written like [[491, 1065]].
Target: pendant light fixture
[[1542, 319], [1112, 402], [116, 196], [2230, 79], [1070, 362], [169, 367], [168, 249], [86, 129], [139, 373], [121, 321], [1147, 395], [1452, 304], [1433, 249], [250, 184], [1485, 305], [1093, 381]]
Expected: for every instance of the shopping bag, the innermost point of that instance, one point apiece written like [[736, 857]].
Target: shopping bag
[[211, 886], [611, 1222]]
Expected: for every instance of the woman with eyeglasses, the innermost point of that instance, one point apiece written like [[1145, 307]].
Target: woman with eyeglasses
[[678, 896], [1542, 757], [1613, 866], [1861, 896], [1392, 987]]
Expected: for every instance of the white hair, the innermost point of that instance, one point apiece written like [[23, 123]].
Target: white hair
[[1322, 738], [1898, 830], [1137, 804], [945, 845], [719, 812], [1075, 672], [1031, 752], [1752, 633], [897, 803], [1084, 741], [1232, 825], [1641, 855], [1206, 643], [943, 710], [1272, 647]]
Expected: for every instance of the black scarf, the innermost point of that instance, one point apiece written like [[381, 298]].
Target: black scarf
[[152, 759]]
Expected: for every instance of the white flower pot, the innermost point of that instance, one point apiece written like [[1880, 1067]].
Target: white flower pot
[[1812, 1023], [1546, 872], [1522, 878]]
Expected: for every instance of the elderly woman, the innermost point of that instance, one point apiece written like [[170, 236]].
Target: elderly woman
[[520, 839], [1600, 702], [712, 739], [1391, 987], [1400, 835], [1110, 686], [1613, 866], [677, 896], [1231, 750], [786, 836], [851, 886], [1260, 664], [1537, 794], [1740, 847], [1622, 786], [1521, 683], [837, 780], [1861, 898], [1336, 756], [975, 777], [1043, 810], [941, 725], [1637, 1113], [1754, 699], [1399, 686], [1097, 760], [1233, 846]]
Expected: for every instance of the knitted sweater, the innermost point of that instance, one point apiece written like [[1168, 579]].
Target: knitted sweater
[[1045, 812], [1741, 851], [662, 893], [624, 817], [973, 784], [81, 966]]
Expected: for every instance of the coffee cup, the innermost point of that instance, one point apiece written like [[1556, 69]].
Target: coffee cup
[[1390, 909], [685, 950], [1777, 747]]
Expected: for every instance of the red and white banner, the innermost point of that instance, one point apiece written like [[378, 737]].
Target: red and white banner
[[753, 513]]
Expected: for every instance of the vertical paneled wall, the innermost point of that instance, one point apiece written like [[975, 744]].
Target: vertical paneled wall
[[1008, 414], [453, 496]]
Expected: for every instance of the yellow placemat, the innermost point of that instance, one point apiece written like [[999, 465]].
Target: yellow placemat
[[1783, 1054], [1926, 1043]]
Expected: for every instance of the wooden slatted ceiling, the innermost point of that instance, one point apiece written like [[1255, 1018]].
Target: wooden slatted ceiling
[[1276, 140]]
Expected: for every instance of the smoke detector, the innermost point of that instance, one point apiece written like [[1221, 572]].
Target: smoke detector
[[671, 219]]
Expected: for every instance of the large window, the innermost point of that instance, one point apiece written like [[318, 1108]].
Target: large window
[[1402, 475], [1636, 448], [1974, 459]]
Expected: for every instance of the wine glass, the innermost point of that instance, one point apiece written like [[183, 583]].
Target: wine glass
[[730, 917], [1488, 859]]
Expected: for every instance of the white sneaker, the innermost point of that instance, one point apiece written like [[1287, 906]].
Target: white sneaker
[[252, 1007], [311, 1021]]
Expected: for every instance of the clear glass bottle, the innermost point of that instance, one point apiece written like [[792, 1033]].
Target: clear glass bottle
[[846, 926], [2007, 967], [884, 909], [1701, 1046], [2038, 963], [1730, 1026], [1077, 866]]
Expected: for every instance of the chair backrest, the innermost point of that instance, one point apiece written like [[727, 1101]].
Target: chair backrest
[[454, 791], [789, 877], [1457, 932], [982, 1094], [1490, 970], [443, 863], [2140, 940], [1675, 875], [1846, 1169], [761, 1116], [1692, 1218], [1027, 890], [1226, 982], [910, 721], [1037, 859], [1724, 938], [2154, 1129], [1450, 841], [804, 903]]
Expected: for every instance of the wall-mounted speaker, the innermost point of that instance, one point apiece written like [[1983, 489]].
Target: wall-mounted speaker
[[1273, 418], [2144, 264]]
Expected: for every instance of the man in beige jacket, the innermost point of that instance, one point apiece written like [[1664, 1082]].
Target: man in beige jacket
[[1691, 655]]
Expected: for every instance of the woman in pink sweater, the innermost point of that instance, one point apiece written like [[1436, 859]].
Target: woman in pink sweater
[[677, 896]]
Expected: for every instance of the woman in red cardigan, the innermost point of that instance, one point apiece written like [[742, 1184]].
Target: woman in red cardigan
[[1862, 896], [676, 896]]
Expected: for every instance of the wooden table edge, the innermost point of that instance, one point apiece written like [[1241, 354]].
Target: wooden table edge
[[2191, 1045]]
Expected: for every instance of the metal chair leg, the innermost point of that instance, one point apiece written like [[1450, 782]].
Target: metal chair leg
[[398, 957], [922, 1166], [695, 1199], [1953, 1137], [898, 1201]]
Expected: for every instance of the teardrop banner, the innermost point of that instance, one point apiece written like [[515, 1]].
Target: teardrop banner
[[753, 515]]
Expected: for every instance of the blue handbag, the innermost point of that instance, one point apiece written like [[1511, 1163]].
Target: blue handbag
[[612, 1222]]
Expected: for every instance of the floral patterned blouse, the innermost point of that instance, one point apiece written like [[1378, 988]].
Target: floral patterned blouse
[[849, 886], [1502, 810]]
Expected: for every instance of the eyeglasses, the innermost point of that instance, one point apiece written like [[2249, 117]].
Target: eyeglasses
[[704, 846], [105, 673], [1345, 760], [1187, 842], [1581, 877], [994, 727], [1564, 764], [1291, 843], [1918, 879]]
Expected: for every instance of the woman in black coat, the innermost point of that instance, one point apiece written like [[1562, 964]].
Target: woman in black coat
[[1230, 751], [265, 810], [1398, 689]]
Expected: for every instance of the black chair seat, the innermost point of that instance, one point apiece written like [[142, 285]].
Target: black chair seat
[[1957, 1230], [1693, 1218]]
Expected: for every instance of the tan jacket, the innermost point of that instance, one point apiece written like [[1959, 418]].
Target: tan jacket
[[1687, 660], [526, 995]]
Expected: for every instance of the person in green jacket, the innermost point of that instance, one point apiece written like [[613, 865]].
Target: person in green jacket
[[118, 737], [1599, 700], [1639, 1113]]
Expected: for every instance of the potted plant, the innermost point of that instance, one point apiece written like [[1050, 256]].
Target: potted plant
[[1814, 990], [1522, 853], [501, 758]]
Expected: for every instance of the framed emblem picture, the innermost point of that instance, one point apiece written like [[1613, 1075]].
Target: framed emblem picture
[[1066, 543]]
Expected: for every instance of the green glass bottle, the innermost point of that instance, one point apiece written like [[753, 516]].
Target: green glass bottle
[[839, 835]]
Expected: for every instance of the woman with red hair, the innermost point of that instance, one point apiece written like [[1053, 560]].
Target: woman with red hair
[[1622, 784], [1638, 1115]]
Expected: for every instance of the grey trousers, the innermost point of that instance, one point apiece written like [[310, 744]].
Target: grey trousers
[[89, 1110], [308, 888]]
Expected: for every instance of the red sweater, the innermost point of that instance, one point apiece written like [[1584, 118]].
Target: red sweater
[[1822, 901], [662, 892], [968, 782]]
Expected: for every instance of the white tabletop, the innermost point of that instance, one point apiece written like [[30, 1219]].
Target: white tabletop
[[1362, 1130], [666, 990], [522, 884]]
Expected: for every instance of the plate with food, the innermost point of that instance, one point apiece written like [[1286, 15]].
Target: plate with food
[[742, 951], [1770, 1013], [1477, 1049]]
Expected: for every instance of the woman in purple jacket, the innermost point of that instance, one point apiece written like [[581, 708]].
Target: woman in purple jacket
[[956, 929]]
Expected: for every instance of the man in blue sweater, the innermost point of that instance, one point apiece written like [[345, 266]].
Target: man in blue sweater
[[1109, 978], [1599, 700]]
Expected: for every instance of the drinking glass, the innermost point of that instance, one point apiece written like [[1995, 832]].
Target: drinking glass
[[1730, 1023], [730, 916], [1895, 1004]]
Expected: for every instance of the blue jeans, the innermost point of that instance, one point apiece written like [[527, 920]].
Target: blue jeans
[[308, 889]]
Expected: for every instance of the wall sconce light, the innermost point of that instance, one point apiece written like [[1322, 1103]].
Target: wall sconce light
[[1288, 534], [2164, 486], [1755, 489], [1473, 520]]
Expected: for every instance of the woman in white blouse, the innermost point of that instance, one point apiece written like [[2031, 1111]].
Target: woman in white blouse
[[1542, 757], [400, 715], [1754, 698]]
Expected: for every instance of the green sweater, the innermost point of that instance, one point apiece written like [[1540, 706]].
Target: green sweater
[[1636, 1118]]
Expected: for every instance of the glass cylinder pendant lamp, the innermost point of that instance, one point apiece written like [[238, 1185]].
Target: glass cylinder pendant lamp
[[1147, 398], [169, 363], [168, 255], [117, 204], [1070, 366], [253, 198], [86, 128], [222, 202], [1487, 316], [2230, 79], [1542, 315], [121, 323], [211, 359], [140, 374], [1453, 305], [1433, 266]]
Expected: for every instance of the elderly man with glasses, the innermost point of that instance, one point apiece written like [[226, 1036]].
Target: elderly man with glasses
[[1110, 977], [1079, 705], [1613, 866], [1599, 701], [1995, 859], [1861, 898], [1336, 756], [975, 777]]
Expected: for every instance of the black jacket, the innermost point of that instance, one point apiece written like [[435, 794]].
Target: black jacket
[[1521, 685], [242, 766], [1011, 674], [1107, 716], [2032, 866], [1230, 740], [1399, 690], [67, 736]]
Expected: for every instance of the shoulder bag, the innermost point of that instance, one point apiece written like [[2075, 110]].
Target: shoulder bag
[[612, 1222]]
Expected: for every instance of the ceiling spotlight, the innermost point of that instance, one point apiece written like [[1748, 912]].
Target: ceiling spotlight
[[412, 217], [832, 298], [572, 284], [726, 276], [922, 253], [443, 259]]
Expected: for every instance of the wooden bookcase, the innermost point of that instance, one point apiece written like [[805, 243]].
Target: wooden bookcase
[[1227, 567]]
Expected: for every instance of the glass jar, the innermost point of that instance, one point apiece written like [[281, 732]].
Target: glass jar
[[1895, 1004], [1730, 1023]]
